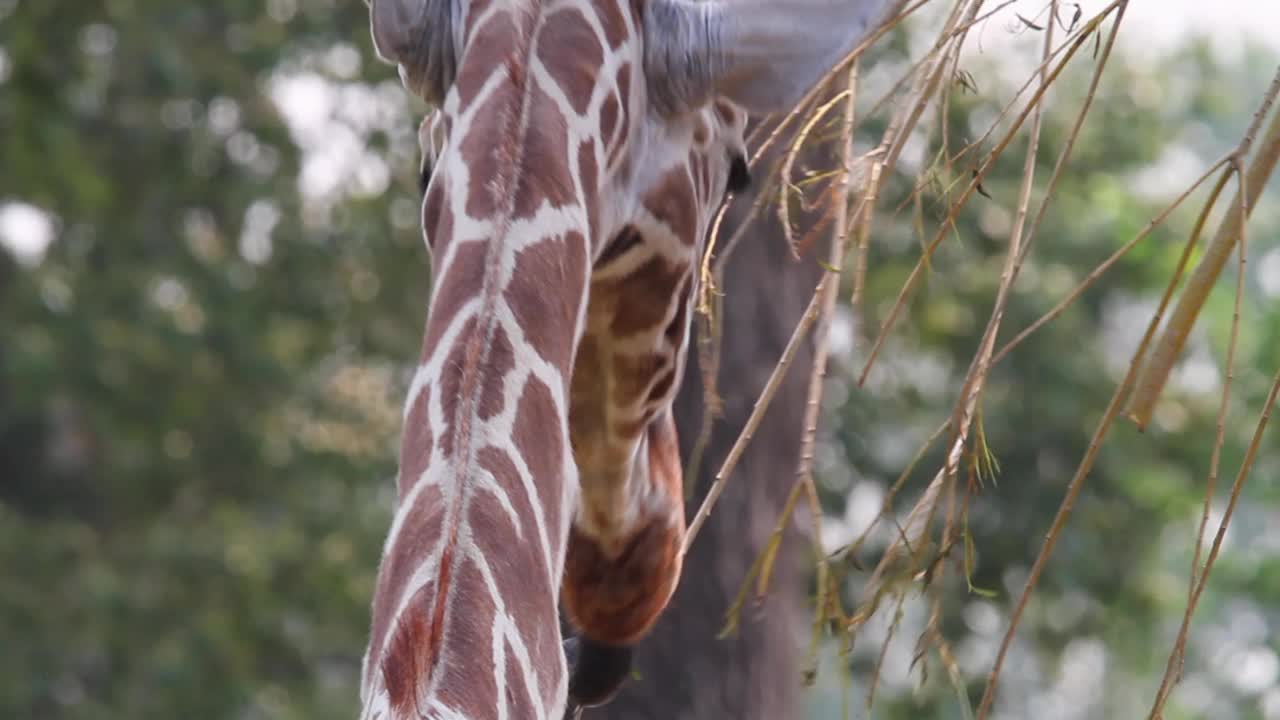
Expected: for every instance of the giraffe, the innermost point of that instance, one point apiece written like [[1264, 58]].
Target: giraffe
[[570, 169]]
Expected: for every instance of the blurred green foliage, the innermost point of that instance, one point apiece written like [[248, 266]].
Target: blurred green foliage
[[197, 415], [200, 378]]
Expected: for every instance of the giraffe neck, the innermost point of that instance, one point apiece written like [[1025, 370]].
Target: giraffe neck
[[465, 612], [487, 484]]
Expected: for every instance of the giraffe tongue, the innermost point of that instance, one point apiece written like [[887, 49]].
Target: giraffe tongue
[[596, 673]]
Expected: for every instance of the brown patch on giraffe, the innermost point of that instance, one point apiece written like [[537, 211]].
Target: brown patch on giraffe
[[645, 296], [623, 84], [633, 376], [412, 653], [486, 162], [501, 362], [544, 175], [537, 436], [515, 555], [487, 47], [589, 177], [614, 21], [462, 283], [421, 526], [467, 684], [617, 598], [571, 53], [673, 202], [519, 545], [609, 114], [450, 382], [416, 443], [626, 239], [549, 319]]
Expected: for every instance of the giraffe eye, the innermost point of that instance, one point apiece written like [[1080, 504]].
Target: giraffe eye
[[739, 173]]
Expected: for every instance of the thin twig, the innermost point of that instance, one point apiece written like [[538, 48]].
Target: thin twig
[[1245, 466], [1077, 482], [813, 402], [786, 187], [921, 515], [916, 272], [1173, 669], [1101, 269], [757, 412], [1155, 373]]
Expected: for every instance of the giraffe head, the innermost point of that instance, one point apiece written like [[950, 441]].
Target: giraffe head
[[572, 165], [637, 77]]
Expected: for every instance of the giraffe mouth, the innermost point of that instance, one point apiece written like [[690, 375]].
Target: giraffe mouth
[[597, 672]]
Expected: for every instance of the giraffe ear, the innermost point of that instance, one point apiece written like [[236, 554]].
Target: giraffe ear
[[763, 55], [417, 37]]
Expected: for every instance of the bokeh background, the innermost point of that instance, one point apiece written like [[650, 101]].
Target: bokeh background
[[212, 286]]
